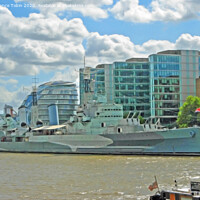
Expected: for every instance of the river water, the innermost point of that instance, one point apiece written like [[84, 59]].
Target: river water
[[90, 177]]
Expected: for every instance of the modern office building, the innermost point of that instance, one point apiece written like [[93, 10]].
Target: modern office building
[[131, 85], [56, 102], [173, 76], [155, 86], [124, 83]]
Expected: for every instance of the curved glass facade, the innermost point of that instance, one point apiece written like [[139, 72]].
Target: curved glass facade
[[64, 94]]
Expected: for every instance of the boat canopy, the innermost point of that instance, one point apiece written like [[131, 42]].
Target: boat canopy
[[54, 127]]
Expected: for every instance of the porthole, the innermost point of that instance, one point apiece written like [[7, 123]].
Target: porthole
[[103, 124]]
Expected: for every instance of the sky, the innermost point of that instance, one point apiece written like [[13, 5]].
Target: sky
[[49, 38]]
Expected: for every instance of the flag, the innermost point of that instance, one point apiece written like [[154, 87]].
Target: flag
[[197, 110], [153, 186]]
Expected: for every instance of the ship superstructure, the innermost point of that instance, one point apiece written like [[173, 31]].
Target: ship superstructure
[[99, 128]]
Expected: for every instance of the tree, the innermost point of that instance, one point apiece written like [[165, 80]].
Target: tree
[[187, 116]]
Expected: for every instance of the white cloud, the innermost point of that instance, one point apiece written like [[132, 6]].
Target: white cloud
[[89, 8], [13, 98], [130, 10], [39, 42], [159, 10], [154, 46], [187, 41], [8, 82], [109, 48], [71, 74], [92, 11], [46, 42]]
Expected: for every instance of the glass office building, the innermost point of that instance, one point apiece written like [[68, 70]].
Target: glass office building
[[155, 86], [173, 76], [59, 93], [165, 86], [125, 83], [131, 85]]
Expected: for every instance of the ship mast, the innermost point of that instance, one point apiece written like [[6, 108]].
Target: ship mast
[[34, 108], [86, 77]]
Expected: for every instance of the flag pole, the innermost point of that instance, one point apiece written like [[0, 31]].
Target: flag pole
[[157, 183]]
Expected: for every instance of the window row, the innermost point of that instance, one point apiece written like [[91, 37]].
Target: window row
[[131, 73], [166, 81], [164, 58], [166, 66], [163, 89], [166, 73], [125, 94], [132, 87], [131, 66], [162, 97], [131, 80]]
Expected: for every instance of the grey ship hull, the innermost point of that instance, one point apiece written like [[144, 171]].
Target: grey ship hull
[[163, 142]]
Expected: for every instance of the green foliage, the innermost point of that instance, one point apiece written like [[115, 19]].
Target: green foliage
[[187, 116], [125, 114], [142, 120]]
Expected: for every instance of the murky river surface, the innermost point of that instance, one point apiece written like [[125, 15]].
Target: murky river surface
[[89, 177]]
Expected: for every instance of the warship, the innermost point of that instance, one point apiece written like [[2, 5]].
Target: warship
[[99, 128]]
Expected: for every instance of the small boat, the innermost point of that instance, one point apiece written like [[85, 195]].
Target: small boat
[[192, 193]]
